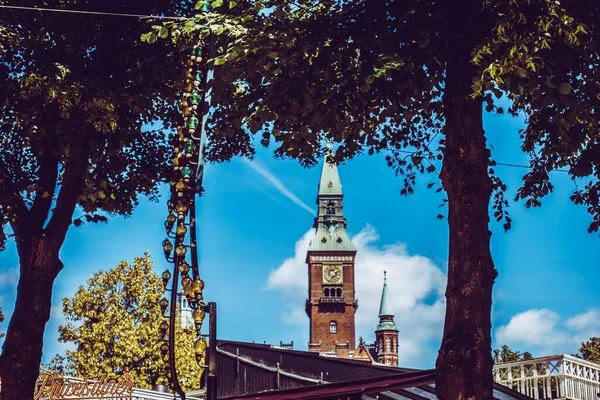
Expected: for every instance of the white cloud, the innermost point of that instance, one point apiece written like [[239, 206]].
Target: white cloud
[[585, 321], [543, 333], [9, 277], [277, 184], [416, 287]]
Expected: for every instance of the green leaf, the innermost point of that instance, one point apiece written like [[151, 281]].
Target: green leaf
[[152, 38], [199, 5], [217, 3], [232, 4], [164, 33], [220, 61], [564, 88], [521, 72]]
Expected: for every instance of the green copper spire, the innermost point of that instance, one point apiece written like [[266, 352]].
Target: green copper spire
[[330, 178], [331, 224], [386, 317], [384, 306]]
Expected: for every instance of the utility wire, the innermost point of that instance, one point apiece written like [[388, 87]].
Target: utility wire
[[139, 16]]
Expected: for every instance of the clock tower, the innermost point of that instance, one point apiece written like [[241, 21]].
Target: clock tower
[[331, 303]]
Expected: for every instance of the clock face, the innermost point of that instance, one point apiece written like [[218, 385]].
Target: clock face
[[332, 274]]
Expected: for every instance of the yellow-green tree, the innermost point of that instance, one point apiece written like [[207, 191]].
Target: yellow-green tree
[[114, 323], [590, 350]]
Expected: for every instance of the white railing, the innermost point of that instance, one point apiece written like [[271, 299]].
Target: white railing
[[560, 377]]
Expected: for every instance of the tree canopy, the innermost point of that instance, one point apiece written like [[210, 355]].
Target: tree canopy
[[506, 354], [412, 78], [79, 141], [114, 323], [590, 350], [372, 77]]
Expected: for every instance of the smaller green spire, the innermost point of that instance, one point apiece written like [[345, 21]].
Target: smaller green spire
[[384, 306], [386, 317]]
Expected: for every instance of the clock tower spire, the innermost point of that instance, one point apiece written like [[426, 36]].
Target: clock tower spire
[[331, 303]]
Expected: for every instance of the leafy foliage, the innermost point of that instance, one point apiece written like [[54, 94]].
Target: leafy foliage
[[59, 366], [506, 354], [78, 93], [371, 77], [590, 350], [401, 77], [114, 322]]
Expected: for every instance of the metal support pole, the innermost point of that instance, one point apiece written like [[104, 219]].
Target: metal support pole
[[211, 382]]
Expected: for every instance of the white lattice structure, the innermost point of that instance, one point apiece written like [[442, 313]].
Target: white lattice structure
[[560, 377]]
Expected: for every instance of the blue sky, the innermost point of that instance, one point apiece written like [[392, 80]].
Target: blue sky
[[255, 225]]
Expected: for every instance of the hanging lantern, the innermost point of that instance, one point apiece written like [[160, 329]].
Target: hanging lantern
[[200, 346], [162, 329], [197, 286], [167, 247], [164, 348], [170, 222], [180, 250], [181, 230], [184, 268], [195, 98], [186, 282], [187, 172], [166, 276], [189, 146], [164, 303], [198, 316], [192, 122], [182, 208]]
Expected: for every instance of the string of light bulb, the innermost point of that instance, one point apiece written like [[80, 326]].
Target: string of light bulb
[[188, 162]]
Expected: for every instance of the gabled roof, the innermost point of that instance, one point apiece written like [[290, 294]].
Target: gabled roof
[[261, 371]]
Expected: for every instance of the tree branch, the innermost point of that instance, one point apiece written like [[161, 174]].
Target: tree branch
[[12, 202], [48, 174], [71, 188]]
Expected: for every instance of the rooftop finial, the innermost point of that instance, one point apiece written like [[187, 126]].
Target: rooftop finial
[[385, 277]]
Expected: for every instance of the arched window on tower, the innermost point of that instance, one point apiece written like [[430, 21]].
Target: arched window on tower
[[339, 292], [388, 345], [330, 208], [326, 292], [333, 327]]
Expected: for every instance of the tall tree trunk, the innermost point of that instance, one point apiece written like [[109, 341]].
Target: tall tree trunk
[[22, 350], [464, 364]]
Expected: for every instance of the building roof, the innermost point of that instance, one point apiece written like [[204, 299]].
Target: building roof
[[333, 240], [261, 371]]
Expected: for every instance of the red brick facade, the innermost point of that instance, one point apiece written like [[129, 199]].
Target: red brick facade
[[323, 311]]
